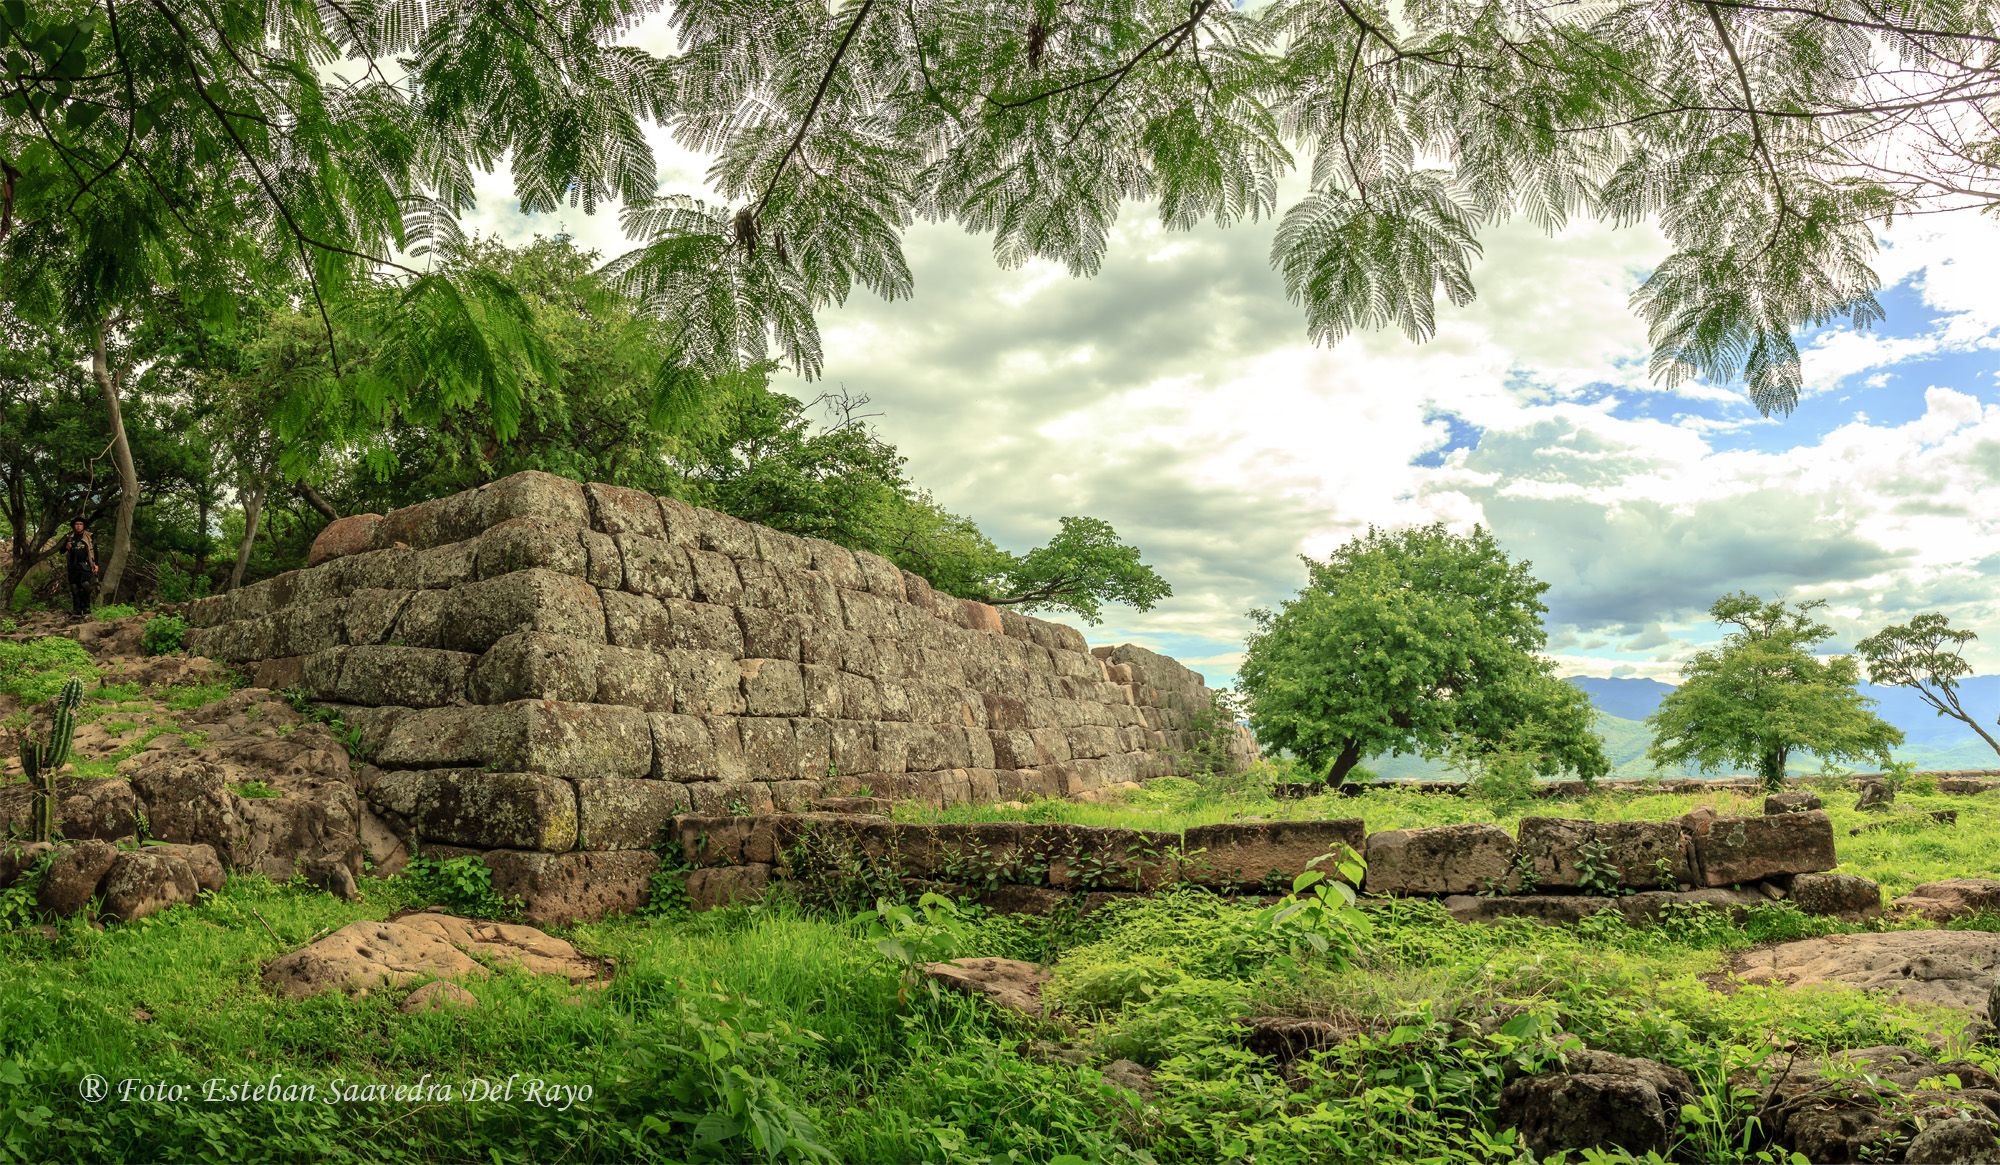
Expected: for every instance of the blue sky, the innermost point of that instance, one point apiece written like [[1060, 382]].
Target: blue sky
[[1177, 396]]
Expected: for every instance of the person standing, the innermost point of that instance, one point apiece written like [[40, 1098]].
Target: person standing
[[80, 560]]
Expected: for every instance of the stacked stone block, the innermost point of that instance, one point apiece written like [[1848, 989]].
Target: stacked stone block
[[546, 668]]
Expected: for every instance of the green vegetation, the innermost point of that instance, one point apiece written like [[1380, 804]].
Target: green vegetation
[[1925, 655], [35, 670], [163, 634], [111, 611], [1763, 695], [42, 760], [1416, 640]]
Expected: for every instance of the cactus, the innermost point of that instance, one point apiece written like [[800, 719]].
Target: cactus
[[42, 760]]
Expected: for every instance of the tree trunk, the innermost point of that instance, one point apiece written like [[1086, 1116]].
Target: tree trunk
[[317, 502], [1343, 764], [121, 456], [253, 509], [1772, 769]]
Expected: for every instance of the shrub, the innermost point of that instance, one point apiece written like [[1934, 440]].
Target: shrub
[[116, 611], [461, 885], [163, 635], [175, 585], [36, 670]]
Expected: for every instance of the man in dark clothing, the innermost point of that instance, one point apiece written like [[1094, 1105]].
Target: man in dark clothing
[[80, 560]]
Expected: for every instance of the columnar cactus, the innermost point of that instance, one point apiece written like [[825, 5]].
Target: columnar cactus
[[42, 760]]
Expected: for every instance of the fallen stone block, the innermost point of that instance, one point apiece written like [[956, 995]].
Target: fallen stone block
[[1566, 854], [1730, 851], [557, 889], [1263, 854], [1844, 896]]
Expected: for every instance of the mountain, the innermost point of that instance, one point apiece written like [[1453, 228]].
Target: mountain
[[1930, 741]]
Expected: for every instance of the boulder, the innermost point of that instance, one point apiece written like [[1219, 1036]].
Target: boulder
[[1735, 851], [344, 536], [1251, 855], [18, 857], [72, 879], [363, 956], [200, 859], [1954, 1141], [1873, 794], [145, 882], [1010, 984], [1450, 859], [1845, 896], [1598, 1101], [1798, 801], [1952, 899], [1638, 855]]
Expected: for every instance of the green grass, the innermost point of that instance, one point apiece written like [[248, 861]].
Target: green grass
[[773, 1018]]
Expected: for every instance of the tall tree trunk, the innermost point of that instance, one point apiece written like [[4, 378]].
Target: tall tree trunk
[[317, 502], [121, 456], [253, 509], [1772, 766], [1350, 755]]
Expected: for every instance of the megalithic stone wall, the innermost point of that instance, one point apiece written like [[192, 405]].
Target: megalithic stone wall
[[545, 668]]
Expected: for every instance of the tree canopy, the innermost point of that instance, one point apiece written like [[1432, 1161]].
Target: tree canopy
[[1925, 655], [1416, 640], [1763, 695], [150, 143]]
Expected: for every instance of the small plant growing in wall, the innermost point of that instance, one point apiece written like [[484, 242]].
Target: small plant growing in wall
[[1595, 872], [42, 760]]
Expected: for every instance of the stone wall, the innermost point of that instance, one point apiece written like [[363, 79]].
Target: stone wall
[[1551, 869], [549, 672]]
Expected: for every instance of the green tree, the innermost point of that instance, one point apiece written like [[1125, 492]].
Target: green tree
[[1763, 694], [1413, 640], [1082, 568], [339, 140], [1925, 655]]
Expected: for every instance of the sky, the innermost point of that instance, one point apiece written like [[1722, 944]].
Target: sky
[[1177, 396]]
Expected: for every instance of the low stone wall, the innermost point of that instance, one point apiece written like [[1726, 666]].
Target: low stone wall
[[549, 672], [1553, 869]]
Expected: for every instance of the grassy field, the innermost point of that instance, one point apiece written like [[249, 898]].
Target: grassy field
[[778, 1033]]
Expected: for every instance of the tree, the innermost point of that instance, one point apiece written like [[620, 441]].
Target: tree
[[1926, 656], [50, 446], [1080, 569], [1413, 640], [1770, 140], [1762, 695]]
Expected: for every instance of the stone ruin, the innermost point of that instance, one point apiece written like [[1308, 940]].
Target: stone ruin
[[547, 674]]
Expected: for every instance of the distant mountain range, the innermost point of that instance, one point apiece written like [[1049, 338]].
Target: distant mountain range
[[1930, 740]]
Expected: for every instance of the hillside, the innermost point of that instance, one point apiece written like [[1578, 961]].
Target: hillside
[[1931, 741]]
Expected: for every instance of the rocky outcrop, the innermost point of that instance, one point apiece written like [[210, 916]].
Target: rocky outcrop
[[1598, 1100], [1953, 968], [127, 884], [365, 956], [1875, 1104], [1952, 899]]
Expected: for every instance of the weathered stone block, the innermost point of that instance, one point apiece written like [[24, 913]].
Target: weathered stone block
[[1450, 859], [636, 679], [1637, 855], [836, 563], [473, 807], [1732, 851], [531, 494], [814, 740], [656, 567], [722, 534], [703, 627], [535, 665], [480, 614], [726, 886], [1845, 896], [769, 749], [562, 888], [680, 523], [706, 683], [636, 621], [769, 634], [543, 736], [344, 536], [615, 813], [763, 586], [618, 510], [410, 677], [773, 687], [1255, 854], [526, 544]]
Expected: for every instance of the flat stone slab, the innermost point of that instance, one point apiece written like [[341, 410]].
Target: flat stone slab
[[363, 956], [1951, 968], [1011, 984]]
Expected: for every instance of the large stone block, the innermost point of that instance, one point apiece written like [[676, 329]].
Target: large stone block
[[531, 494], [656, 567], [773, 687], [615, 813], [706, 683], [556, 889], [1635, 855], [473, 807], [1845, 896], [480, 614], [703, 627], [1258, 854], [636, 679], [409, 677], [770, 750], [344, 536], [618, 510], [1450, 859], [543, 736], [535, 665], [526, 544], [683, 749], [1730, 851], [722, 534]]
